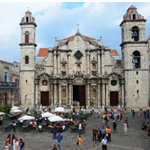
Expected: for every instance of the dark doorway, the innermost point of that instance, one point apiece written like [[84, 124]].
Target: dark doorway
[[113, 98], [79, 94], [45, 98]]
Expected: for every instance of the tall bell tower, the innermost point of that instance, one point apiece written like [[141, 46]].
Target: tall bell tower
[[28, 53], [134, 56]]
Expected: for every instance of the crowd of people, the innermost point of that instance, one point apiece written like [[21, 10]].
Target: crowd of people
[[13, 143]]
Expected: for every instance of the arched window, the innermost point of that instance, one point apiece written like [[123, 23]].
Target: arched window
[[134, 16], [27, 37], [27, 19], [27, 60], [136, 59], [135, 33]]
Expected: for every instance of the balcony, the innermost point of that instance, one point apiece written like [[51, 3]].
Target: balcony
[[7, 85]]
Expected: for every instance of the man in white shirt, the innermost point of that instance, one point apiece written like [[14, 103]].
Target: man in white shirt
[[80, 128], [104, 143]]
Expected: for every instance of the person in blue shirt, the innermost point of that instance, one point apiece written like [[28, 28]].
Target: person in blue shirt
[[59, 139], [103, 132]]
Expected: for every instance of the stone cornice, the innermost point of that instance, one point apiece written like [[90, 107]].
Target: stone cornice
[[28, 23], [133, 42], [28, 44], [124, 21]]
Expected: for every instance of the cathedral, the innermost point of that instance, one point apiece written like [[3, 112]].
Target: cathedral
[[81, 69]]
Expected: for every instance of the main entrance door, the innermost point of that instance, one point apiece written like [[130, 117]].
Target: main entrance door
[[79, 94], [113, 98], [45, 98]]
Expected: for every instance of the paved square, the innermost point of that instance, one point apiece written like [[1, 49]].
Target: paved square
[[44, 141]]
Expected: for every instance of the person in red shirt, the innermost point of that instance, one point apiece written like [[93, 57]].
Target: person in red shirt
[[109, 134]]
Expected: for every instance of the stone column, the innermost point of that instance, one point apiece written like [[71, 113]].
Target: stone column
[[103, 93], [52, 93], [102, 57], [90, 66], [69, 93], [87, 62], [36, 93], [59, 92], [88, 93], [122, 88], [69, 64], [98, 59], [55, 63], [98, 91], [55, 92], [58, 71], [106, 87]]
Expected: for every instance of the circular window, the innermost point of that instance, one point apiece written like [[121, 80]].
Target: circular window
[[113, 82]]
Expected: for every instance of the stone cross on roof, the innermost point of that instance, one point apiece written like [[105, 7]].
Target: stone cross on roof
[[78, 27]]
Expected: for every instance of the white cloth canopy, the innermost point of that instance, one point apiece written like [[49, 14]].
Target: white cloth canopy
[[47, 114], [59, 109], [15, 111], [26, 117], [55, 119], [2, 113], [14, 107]]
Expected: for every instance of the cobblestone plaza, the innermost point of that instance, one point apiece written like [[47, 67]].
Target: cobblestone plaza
[[44, 141]]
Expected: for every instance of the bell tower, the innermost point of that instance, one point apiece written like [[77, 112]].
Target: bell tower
[[28, 53], [134, 56]]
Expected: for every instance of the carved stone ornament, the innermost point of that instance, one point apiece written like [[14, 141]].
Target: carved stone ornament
[[94, 86], [78, 62], [78, 74], [93, 61], [63, 87], [63, 61]]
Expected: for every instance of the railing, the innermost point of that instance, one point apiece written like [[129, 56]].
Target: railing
[[7, 84]]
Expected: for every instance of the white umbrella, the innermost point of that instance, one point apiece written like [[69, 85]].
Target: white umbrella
[[59, 109], [55, 119], [14, 107], [27, 118], [2, 113], [47, 114], [15, 111]]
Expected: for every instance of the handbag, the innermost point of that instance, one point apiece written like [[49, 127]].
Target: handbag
[[77, 142]]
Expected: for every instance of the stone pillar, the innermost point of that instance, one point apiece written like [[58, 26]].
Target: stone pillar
[[55, 92], [69, 93], [55, 63], [87, 62], [103, 93], [69, 64], [107, 100], [36, 93], [58, 71], [90, 66], [60, 91], [102, 57], [98, 91], [52, 94], [88, 93], [98, 59], [122, 88]]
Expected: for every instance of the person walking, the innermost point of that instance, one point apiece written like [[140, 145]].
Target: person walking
[[16, 144], [94, 134], [125, 127], [114, 127], [59, 139], [104, 143], [103, 132], [22, 144], [80, 128], [13, 141], [80, 141], [99, 134], [133, 112], [6, 144], [98, 114], [54, 131]]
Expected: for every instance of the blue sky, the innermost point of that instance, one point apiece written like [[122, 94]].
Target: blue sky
[[58, 19]]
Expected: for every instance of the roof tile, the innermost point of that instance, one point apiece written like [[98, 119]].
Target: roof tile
[[43, 51]]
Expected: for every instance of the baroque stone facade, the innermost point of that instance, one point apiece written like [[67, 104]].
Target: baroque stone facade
[[81, 68]]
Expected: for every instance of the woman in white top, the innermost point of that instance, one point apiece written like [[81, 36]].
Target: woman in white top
[[16, 144], [125, 126]]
